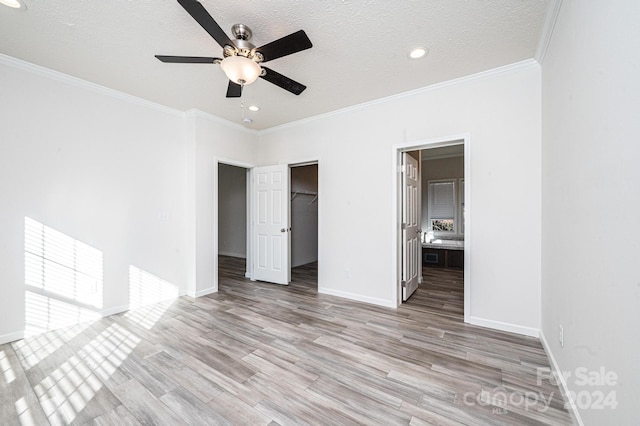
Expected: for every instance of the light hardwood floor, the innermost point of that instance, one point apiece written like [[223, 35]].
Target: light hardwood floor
[[259, 353]]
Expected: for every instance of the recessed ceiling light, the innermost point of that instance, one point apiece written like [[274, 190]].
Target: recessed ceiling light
[[417, 53], [254, 108], [15, 4]]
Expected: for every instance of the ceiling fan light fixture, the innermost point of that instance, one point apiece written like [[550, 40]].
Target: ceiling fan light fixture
[[15, 4], [240, 70]]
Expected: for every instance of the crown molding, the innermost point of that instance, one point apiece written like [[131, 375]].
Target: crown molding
[[549, 24], [96, 88], [196, 113], [84, 84], [437, 86], [56, 75]]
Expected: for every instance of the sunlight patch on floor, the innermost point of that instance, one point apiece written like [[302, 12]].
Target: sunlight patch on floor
[[109, 350], [65, 392], [5, 366], [24, 414], [33, 350]]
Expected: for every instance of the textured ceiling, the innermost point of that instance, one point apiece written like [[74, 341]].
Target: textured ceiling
[[360, 47]]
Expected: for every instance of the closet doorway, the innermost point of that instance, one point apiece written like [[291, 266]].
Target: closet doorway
[[232, 221], [234, 232], [304, 223]]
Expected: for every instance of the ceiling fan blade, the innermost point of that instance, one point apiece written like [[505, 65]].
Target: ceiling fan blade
[[187, 59], [234, 90], [285, 82], [200, 14], [285, 46]]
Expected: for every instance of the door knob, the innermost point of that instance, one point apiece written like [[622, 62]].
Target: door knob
[[283, 230]]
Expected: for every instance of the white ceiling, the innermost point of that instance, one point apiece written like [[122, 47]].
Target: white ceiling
[[360, 47]]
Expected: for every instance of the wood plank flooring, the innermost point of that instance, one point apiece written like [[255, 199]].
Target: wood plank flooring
[[265, 354]]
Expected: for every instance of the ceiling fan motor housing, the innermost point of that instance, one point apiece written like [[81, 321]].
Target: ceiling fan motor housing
[[243, 47]]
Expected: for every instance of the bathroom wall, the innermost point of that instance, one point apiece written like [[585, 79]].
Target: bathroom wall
[[436, 169]]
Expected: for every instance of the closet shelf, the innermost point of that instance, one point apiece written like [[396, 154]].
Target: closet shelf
[[296, 193]]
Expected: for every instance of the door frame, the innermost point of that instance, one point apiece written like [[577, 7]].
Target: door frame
[[396, 212]]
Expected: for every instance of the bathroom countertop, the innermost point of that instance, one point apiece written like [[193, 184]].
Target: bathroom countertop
[[445, 244]]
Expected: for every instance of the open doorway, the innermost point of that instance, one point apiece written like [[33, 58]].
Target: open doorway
[[304, 224], [235, 234], [442, 177], [443, 228], [232, 222]]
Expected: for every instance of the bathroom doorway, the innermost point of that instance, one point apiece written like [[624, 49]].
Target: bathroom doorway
[[444, 224]]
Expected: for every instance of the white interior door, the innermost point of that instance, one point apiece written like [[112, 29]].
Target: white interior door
[[271, 229], [411, 244]]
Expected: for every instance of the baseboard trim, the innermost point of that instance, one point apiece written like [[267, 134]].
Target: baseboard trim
[[18, 335], [564, 388], [357, 297], [114, 310], [11, 337], [203, 292], [238, 255], [505, 326]]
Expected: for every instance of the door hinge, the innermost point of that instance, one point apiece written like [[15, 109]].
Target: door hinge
[[403, 284], [403, 226], [403, 169]]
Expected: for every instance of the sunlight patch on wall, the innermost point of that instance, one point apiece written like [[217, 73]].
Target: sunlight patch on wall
[[146, 288], [149, 297], [148, 316], [63, 279], [44, 313]]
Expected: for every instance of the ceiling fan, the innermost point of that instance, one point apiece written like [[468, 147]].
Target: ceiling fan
[[241, 60]]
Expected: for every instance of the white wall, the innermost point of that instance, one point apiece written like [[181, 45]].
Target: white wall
[[232, 210], [213, 140], [591, 198], [501, 112], [304, 215], [132, 179], [99, 167]]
